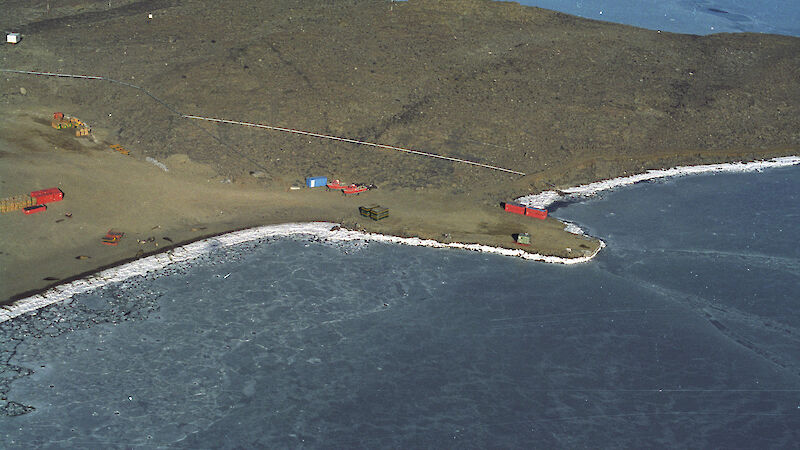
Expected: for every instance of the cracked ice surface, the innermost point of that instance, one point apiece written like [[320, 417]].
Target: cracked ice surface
[[160, 357]]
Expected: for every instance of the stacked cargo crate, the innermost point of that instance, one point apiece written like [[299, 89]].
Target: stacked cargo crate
[[29, 202], [16, 202], [366, 210], [374, 212], [61, 121], [379, 213]]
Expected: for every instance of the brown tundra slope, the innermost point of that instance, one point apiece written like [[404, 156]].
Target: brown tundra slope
[[560, 98]]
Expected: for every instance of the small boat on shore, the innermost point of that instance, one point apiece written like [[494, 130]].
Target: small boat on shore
[[336, 184], [354, 189]]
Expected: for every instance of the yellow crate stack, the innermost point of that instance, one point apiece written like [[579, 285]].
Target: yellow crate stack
[[16, 202]]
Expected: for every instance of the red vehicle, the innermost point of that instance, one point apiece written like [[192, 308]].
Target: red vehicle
[[112, 237]]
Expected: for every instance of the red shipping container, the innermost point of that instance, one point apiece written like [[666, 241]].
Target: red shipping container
[[41, 192], [50, 191], [515, 208], [42, 199], [47, 195], [34, 209], [537, 213]]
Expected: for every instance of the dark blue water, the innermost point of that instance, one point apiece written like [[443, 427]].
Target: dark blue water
[[688, 16], [684, 332]]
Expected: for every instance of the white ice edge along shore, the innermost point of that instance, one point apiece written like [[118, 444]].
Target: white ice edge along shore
[[547, 198], [323, 229], [326, 230]]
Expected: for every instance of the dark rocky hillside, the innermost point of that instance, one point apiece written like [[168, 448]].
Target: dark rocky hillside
[[563, 99]]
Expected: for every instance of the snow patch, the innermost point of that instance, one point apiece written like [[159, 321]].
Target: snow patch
[[574, 229], [156, 163]]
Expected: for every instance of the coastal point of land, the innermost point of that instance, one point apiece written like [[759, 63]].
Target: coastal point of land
[[158, 209], [561, 99]]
